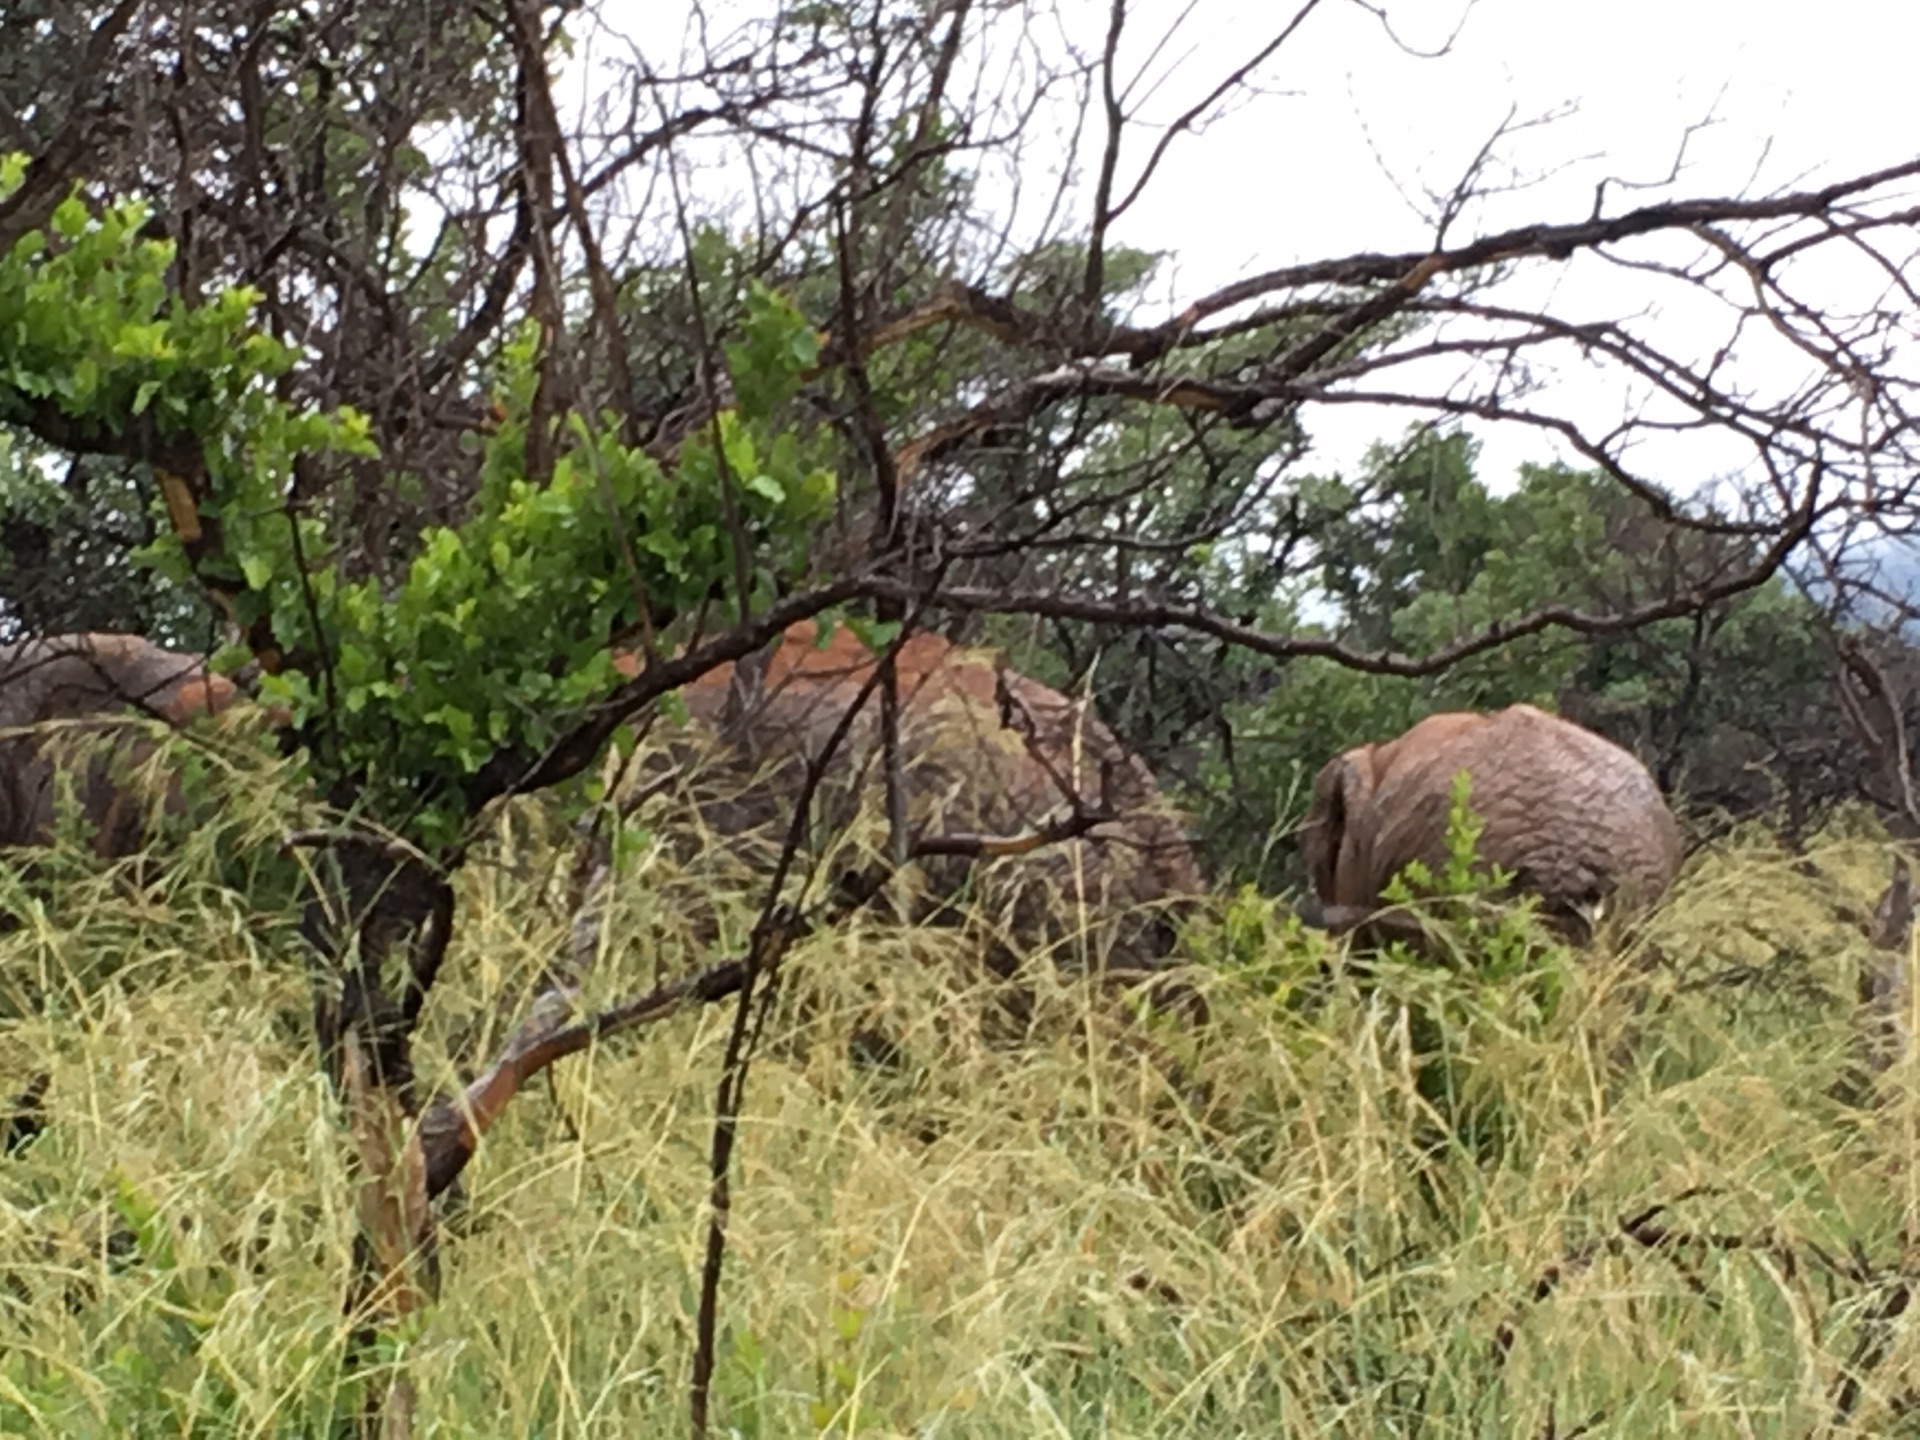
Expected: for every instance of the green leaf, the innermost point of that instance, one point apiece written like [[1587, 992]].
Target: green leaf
[[257, 569], [69, 219], [876, 635]]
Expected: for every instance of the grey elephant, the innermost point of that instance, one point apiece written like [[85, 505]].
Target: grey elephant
[[83, 678], [1577, 820]]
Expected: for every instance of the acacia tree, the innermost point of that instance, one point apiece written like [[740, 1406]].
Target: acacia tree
[[592, 400]]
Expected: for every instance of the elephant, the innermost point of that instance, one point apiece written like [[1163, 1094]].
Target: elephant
[[85, 677], [1577, 820], [986, 753]]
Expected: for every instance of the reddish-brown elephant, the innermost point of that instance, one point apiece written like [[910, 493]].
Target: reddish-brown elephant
[[985, 752]]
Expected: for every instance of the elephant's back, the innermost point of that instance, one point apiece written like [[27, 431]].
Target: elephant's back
[[1573, 815], [72, 677], [983, 750], [1600, 824]]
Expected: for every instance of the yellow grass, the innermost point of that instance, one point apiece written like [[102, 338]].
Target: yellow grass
[[1041, 1220]]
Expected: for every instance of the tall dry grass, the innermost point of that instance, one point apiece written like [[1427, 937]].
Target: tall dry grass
[[968, 1211]]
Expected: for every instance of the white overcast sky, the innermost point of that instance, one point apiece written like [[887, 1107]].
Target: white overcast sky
[[1316, 166], [1800, 92]]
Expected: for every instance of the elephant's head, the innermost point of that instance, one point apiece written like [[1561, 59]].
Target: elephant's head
[[1576, 819]]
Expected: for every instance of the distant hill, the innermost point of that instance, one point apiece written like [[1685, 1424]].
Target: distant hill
[[1890, 565]]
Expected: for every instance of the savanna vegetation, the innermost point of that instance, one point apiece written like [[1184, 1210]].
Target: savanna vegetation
[[439, 1072]]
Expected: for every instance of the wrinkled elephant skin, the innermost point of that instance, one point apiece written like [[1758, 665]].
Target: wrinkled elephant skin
[[1577, 819]]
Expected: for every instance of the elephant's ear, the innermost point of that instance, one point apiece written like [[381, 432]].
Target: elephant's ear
[[1341, 787]]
